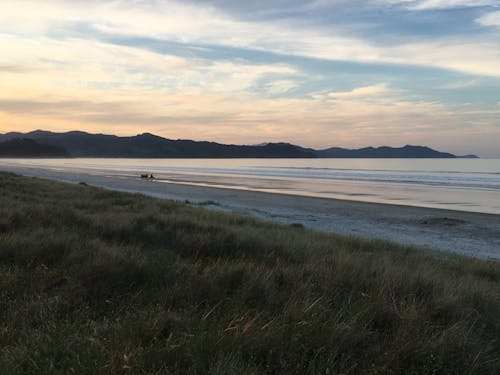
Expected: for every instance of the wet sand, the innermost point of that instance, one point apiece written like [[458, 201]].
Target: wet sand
[[465, 233]]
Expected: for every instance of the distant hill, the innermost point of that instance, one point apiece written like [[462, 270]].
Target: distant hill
[[81, 144], [27, 148], [384, 152]]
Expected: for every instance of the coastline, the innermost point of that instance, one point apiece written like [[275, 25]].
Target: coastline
[[465, 233]]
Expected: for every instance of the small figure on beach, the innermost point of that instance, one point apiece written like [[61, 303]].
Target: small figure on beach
[[151, 177]]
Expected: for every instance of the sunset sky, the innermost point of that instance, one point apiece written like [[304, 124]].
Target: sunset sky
[[317, 73]]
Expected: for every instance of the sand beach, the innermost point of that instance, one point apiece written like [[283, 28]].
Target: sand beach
[[464, 233]]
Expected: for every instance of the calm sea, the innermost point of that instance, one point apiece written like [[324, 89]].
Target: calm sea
[[459, 184]]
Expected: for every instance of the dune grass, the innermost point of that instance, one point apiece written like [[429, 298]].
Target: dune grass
[[95, 281]]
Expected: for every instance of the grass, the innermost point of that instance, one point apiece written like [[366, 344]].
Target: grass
[[95, 281]]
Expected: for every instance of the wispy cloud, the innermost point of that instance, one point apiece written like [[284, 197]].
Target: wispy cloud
[[362, 92], [180, 22], [447, 4], [281, 86], [490, 19], [410, 4], [15, 69]]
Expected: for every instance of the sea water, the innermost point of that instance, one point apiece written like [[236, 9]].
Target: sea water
[[458, 184]]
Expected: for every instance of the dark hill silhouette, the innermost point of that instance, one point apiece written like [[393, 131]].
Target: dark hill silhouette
[[384, 152], [23, 147], [80, 144], [146, 145]]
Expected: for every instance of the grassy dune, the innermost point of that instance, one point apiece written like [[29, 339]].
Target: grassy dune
[[95, 281]]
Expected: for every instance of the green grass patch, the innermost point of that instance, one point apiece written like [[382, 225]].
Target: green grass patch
[[95, 281]]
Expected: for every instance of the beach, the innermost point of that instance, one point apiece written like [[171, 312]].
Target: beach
[[465, 233]]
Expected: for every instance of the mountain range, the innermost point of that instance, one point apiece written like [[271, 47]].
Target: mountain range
[[41, 143]]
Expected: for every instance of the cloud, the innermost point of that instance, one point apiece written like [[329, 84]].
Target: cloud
[[442, 4], [282, 86], [318, 4], [469, 56], [362, 92], [207, 25], [410, 4], [15, 69], [490, 19], [77, 67]]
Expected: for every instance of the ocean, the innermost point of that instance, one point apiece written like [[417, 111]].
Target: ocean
[[457, 184]]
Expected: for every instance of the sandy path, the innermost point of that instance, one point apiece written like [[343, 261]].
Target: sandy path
[[471, 234]]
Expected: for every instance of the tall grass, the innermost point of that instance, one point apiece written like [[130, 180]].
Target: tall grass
[[95, 281]]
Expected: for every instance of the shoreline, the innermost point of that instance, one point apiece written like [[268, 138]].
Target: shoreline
[[465, 233]]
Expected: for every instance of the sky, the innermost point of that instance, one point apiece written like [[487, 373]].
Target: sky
[[317, 73]]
